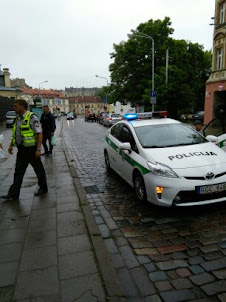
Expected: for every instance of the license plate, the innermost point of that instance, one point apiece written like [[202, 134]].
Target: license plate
[[211, 188]]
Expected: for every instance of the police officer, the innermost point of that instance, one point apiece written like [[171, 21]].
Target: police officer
[[27, 137]]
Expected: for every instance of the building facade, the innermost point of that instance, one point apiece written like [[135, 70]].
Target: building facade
[[76, 92], [215, 98], [54, 99], [5, 85], [83, 104]]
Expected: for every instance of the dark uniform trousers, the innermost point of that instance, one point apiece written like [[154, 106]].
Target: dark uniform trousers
[[47, 136], [25, 156]]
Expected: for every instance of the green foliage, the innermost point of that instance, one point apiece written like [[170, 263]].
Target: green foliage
[[131, 70]]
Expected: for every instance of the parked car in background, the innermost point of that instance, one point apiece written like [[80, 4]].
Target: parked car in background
[[112, 119], [10, 118], [90, 117], [103, 117], [70, 116], [198, 116], [100, 116]]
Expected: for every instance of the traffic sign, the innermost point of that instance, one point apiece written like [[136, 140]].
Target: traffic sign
[[153, 93], [153, 100]]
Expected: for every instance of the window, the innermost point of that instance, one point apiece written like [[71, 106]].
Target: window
[[216, 127], [2, 81], [115, 130], [222, 13], [219, 58], [127, 137], [167, 135]]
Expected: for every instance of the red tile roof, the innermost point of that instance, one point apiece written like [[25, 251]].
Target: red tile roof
[[46, 93]]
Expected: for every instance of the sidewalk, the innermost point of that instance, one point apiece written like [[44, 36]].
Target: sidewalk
[[50, 247]]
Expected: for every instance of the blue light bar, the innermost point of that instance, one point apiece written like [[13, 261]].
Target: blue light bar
[[130, 116]]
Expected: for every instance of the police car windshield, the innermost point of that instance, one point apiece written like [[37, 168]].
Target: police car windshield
[[168, 135]]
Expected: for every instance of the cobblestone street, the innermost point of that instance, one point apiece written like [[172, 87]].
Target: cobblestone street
[[160, 254]]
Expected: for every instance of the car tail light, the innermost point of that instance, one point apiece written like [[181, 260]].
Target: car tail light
[[164, 113]]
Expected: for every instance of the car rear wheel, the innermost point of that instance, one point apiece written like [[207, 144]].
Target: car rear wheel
[[139, 187], [107, 162]]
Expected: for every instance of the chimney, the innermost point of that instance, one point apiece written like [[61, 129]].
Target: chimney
[[6, 74]]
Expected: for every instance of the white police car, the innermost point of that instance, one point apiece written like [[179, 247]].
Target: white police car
[[166, 162]]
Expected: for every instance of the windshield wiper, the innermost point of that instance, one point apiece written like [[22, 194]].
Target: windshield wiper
[[154, 146], [186, 144]]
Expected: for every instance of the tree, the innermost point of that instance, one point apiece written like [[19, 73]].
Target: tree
[[131, 69]]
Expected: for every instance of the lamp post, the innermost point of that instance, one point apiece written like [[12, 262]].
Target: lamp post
[[38, 97], [139, 34], [40, 85], [98, 76]]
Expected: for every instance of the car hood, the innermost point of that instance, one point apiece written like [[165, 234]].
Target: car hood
[[191, 156]]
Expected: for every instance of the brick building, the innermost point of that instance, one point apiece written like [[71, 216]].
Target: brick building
[[215, 97]]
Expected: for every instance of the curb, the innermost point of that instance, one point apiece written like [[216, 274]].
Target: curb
[[109, 275]]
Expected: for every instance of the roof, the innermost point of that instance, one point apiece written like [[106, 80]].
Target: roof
[[152, 121], [45, 93]]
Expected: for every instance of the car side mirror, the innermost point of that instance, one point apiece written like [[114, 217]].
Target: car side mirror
[[126, 146], [211, 138]]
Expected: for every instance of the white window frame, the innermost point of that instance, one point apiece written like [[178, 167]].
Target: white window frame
[[220, 58], [222, 12]]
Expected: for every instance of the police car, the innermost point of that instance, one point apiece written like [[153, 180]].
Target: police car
[[166, 162]]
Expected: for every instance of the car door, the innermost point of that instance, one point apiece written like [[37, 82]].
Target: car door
[[113, 144], [217, 127], [126, 159]]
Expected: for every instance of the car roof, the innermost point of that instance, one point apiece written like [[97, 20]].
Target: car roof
[[10, 111], [157, 121]]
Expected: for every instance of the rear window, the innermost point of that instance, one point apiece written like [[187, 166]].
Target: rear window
[[11, 113]]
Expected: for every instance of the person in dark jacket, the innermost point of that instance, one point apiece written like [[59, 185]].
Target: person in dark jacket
[[48, 129]]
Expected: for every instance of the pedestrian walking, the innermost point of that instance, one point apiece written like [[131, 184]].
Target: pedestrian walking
[[27, 137], [48, 128]]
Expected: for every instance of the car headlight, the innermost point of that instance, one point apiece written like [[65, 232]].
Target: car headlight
[[161, 170]]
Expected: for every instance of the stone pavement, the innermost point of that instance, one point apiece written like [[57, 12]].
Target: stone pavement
[[62, 247], [50, 247], [159, 254]]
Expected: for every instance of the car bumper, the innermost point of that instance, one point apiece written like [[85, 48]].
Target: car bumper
[[180, 191], [9, 123]]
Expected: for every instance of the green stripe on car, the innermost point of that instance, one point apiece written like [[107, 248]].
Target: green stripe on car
[[132, 162], [222, 144]]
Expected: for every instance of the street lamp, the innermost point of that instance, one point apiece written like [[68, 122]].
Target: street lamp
[[40, 85], [139, 34], [38, 97], [98, 76]]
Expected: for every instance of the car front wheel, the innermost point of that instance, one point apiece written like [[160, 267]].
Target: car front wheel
[[139, 187]]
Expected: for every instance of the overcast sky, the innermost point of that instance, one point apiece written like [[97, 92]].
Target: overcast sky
[[68, 42]]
